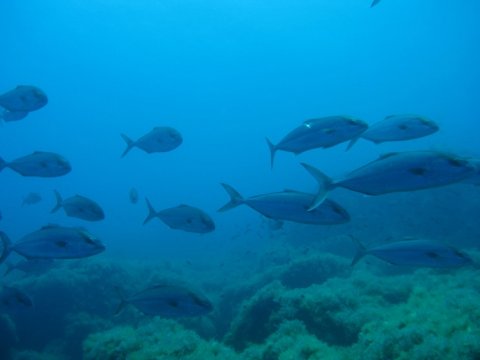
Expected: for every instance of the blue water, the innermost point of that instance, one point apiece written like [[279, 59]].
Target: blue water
[[227, 74]]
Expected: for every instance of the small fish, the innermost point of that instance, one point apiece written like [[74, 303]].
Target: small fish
[[168, 301], [375, 2], [182, 217], [159, 139], [397, 172], [289, 205], [13, 299], [133, 195], [398, 128], [318, 133], [8, 116], [24, 98], [31, 199], [80, 207], [53, 242], [39, 164], [33, 266], [419, 253]]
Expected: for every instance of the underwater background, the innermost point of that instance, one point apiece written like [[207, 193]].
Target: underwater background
[[226, 74]]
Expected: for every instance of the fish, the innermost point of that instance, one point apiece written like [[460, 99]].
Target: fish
[[8, 116], [32, 266], [53, 242], [397, 172], [318, 133], [39, 164], [80, 207], [289, 205], [168, 301], [13, 299], [159, 139], [133, 195], [398, 128], [416, 252], [24, 98], [31, 199], [182, 217], [375, 2]]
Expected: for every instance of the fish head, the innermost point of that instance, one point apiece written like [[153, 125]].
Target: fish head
[[357, 124], [206, 223], [427, 125], [459, 166], [90, 243]]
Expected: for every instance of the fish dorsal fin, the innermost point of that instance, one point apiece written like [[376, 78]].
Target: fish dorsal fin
[[290, 191], [387, 155]]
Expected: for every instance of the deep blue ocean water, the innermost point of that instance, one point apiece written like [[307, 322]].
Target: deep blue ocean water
[[226, 74]]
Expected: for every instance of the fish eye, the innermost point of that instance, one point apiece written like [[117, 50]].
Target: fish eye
[[456, 162]]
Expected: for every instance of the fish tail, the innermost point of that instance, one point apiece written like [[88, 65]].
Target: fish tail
[[235, 198], [325, 184], [273, 149], [151, 212], [7, 246], [59, 200], [361, 251], [130, 144], [3, 164]]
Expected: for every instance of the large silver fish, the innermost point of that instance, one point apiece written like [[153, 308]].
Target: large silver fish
[[398, 128], [289, 205], [39, 164], [24, 98], [159, 139], [419, 253], [318, 133], [182, 217], [169, 301], [53, 242], [397, 172], [80, 207]]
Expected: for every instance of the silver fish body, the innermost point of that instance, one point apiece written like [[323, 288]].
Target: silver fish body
[[24, 98], [319, 133], [398, 172], [399, 128], [39, 164], [159, 139], [80, 207], [53, 242], [182, 217], [417, 253], [169, 301], [289, 205]]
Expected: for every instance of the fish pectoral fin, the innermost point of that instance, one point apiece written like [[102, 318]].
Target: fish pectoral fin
[[417, 171]]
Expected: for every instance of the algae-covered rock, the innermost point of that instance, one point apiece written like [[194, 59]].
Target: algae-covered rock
[[158, 339]]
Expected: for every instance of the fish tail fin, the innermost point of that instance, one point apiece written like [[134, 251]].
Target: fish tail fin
[[7, 246], [151, 212], [130, 144], [59, 203], [361, 251], [235, 198], [325, 184], [273, 150], [3, 164], [123, 301]]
